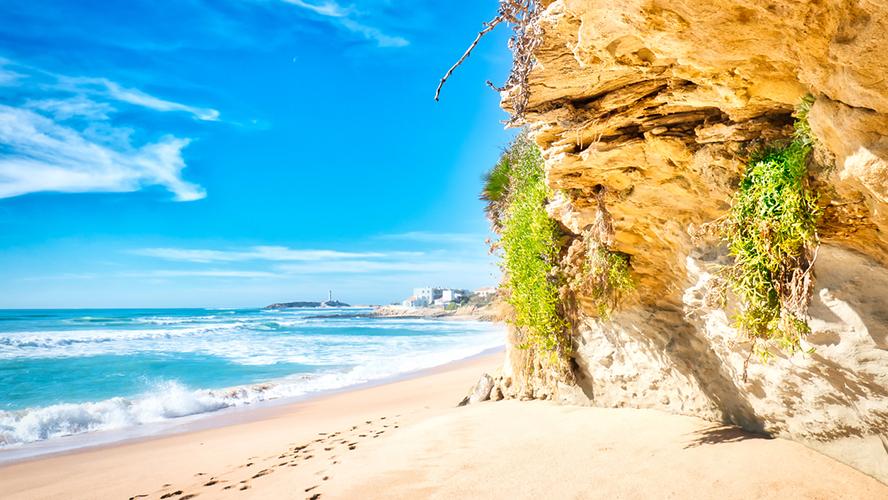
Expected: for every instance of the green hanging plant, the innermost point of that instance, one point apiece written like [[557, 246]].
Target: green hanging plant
[[771, 232]]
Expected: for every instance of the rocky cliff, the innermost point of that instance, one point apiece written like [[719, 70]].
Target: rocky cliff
[[661, 102]]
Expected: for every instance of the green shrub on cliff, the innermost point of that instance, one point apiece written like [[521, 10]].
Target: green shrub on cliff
[[516, 192], [546, 269], [771, 232]]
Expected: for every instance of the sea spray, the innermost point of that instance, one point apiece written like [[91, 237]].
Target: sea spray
[[124, 368]]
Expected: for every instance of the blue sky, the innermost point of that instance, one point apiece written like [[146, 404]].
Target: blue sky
[[234, 153]]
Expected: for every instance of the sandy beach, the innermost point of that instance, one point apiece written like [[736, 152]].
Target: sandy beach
[[408, 440]]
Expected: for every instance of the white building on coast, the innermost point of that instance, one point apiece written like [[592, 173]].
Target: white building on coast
[[414, 302], [424, 297]]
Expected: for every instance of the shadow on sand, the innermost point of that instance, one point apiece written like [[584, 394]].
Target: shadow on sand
[[721, 434]]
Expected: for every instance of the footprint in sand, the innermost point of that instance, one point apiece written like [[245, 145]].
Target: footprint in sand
[[263, 472], [294, 455]]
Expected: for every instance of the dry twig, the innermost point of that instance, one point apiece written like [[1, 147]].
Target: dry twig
[[489, 26], [523, 16]]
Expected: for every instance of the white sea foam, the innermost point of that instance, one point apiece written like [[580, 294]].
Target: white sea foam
[[171, 399], [17, 345], [300, 355]]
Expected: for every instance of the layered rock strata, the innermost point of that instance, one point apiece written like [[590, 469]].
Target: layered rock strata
[[661, 102]]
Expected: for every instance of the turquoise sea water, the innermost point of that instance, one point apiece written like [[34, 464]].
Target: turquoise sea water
[[66, 372]]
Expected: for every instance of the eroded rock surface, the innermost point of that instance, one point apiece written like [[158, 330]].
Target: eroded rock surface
[[660, 102]]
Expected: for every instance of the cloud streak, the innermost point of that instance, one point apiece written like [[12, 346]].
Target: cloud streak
[[374, 34], [74, 107], [288, 262], [340, 16], [42, 155], [329, 9], [9, 78], [428, 237], [268, 253], [62, 138], [113, 90], [371, 267], [213, 273]]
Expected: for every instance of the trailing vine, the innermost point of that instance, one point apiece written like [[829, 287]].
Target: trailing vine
[[543, 274], [771, 232], [599, 273], [529, 241]]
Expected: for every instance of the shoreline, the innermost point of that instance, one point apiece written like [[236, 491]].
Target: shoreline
[[408, 440], [149, 462], [95, 440], [465, 313]]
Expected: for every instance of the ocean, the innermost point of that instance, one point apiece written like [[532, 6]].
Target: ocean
[[65, 372]]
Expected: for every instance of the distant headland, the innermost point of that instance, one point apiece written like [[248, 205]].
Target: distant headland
[[330, 303], [307, 305]]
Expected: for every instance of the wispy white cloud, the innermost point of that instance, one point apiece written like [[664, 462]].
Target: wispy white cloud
[[77, 106], [41, 150], [344, 267], [374, 34], [455, 266], [330, 9], [289, 262], [340, 15], [9, 78], [450, 268], [270, 253], [214, 273], [63, 276], [42, 155], [115, 91], [429, 237]]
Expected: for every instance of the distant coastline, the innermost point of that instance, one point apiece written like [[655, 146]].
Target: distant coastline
[[330, 304], [466, 312]]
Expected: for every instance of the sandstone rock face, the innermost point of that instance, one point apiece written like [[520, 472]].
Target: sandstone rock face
[[660, 102]]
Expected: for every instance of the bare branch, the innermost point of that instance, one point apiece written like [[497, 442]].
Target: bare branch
[[483, 32], [494, 87], [522, 15]]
